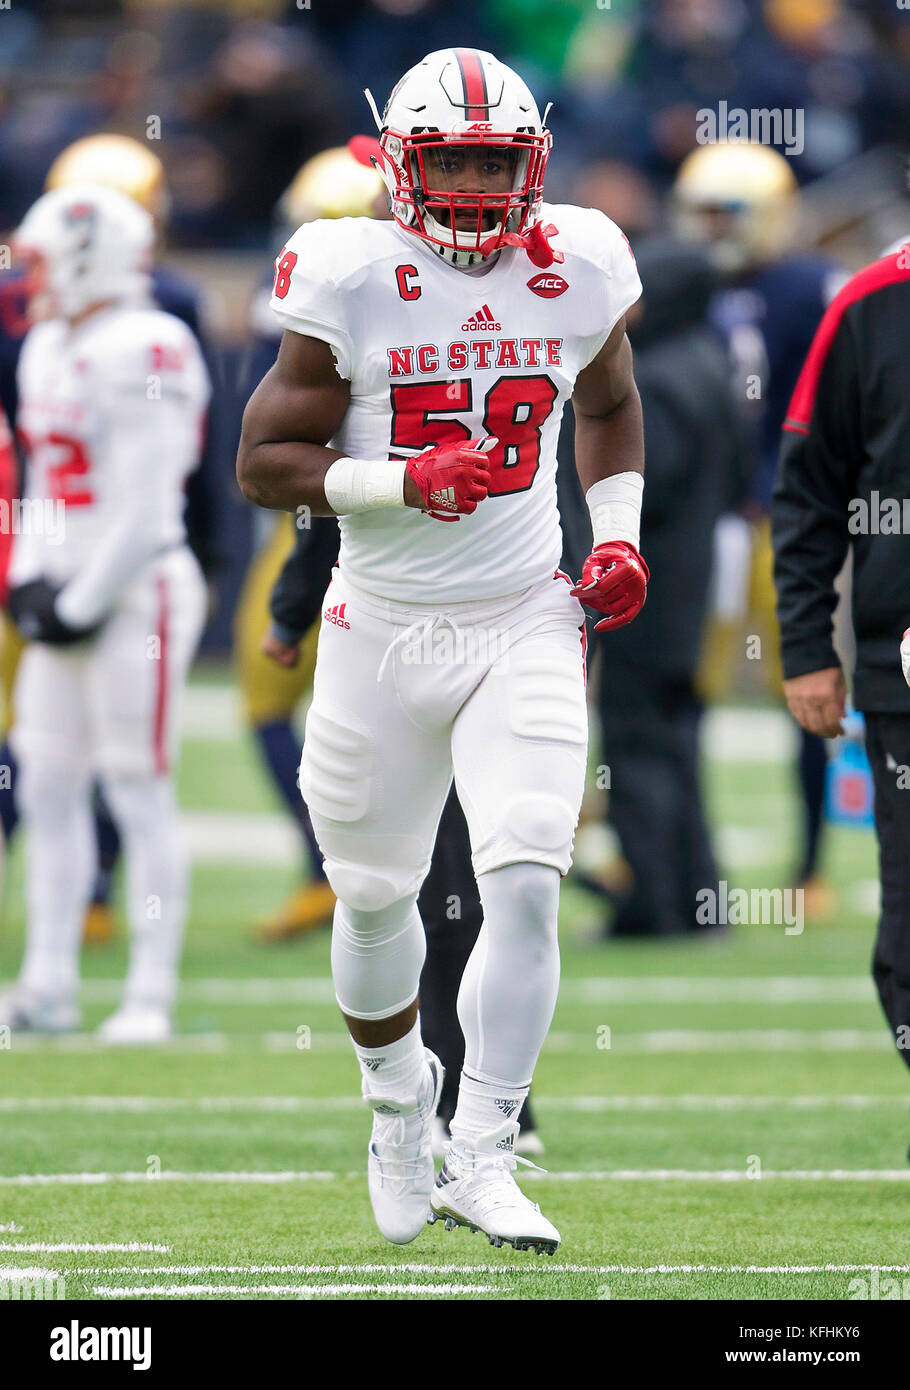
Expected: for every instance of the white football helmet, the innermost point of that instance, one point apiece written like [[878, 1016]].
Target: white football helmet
[[85, 244], [452, 107]]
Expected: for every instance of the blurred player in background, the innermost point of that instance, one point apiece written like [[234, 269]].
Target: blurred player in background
[[131, 167], [698, 468], [112, 401], [741, 202], [330, 185]]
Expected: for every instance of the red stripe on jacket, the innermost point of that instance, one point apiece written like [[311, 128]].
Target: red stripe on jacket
[[877, 276]]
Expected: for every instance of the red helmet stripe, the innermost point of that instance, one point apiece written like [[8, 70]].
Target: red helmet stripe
[[475, 85]]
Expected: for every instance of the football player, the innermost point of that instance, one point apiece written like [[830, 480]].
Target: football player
[[132, 167], [417, 395], [112, 398]]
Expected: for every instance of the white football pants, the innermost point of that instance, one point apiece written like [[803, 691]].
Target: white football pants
[[404, 697]]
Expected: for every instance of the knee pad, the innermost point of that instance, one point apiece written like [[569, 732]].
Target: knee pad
[[361, 888], [538, 827]]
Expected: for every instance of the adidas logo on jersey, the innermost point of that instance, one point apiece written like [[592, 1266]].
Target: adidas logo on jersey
[[482, 319], [336, 615]]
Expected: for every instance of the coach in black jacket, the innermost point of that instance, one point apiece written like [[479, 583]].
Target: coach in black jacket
[[843, 476]]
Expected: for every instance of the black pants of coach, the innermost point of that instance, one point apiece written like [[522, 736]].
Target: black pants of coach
[[449, 905], [888, 746], [650, 744]]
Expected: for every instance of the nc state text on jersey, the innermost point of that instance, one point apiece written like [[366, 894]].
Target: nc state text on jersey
[[495, 354]]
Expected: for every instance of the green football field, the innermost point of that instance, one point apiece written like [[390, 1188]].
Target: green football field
[[722, 1118]]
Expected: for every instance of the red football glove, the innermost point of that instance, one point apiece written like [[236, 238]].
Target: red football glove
[[614, 581], [452, 478]]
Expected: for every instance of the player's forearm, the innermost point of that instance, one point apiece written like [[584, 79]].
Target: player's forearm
[[612, 443], [283, 477]]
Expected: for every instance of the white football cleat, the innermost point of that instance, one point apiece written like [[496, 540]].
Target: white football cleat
[[135, 1025], [476, 1188], [400, 1166], [23, 1011]]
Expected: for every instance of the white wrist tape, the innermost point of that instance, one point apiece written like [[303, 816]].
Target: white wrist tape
[[615, 507], [363, 485]]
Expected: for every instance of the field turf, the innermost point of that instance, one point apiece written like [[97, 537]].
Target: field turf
[[723, 1118]]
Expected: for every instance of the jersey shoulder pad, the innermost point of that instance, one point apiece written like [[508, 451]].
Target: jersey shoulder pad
[[145, 350], [335, 248], [317, 274], [590, 235], [599, 259]]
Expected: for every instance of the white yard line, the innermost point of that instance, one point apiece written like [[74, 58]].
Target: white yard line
[[488, 1270], [411, 1268], [85, 1247], [529, 1268], [598, 989], [731, 734], [656, 1040], [295, 1290], [12, 1105], [718, 1175]]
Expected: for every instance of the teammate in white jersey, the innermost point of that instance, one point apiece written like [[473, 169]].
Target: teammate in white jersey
[[112, 395], [417, 395]]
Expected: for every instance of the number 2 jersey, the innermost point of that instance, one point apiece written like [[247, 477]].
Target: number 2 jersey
[[439, 355], [111, 415]]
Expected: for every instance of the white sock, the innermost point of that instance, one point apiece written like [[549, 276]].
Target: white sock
[[485, 1104], [395, 1069]]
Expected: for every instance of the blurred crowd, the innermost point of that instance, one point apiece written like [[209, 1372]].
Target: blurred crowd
[[238, 93]]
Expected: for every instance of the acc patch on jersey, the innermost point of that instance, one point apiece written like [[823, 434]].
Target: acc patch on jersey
[[547, 285]]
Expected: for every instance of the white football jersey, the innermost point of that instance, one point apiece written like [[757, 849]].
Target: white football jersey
[[112, 414], [438, 355]]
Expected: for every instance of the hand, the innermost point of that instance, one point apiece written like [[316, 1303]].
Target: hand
[[286, 654], [31, 606], [817, 701], [614, 581], [449, 480]]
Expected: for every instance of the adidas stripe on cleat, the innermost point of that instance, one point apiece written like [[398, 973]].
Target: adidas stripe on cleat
[[475, 1188]]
